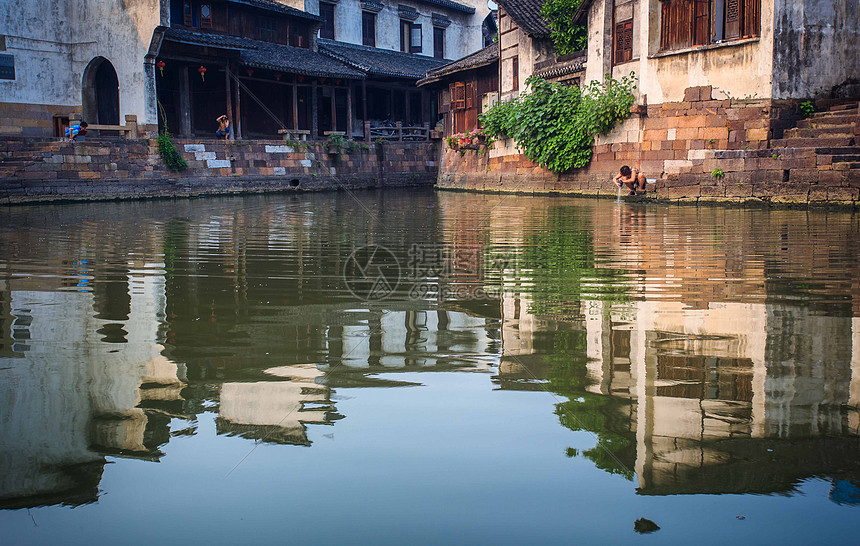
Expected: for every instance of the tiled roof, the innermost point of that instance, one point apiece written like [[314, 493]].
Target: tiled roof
[[271, 5], [293, 60], [562, 67], [380, 62], [482, 57], [526, 14], [452, 5]]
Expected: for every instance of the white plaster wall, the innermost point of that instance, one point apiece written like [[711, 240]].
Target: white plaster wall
[[740, 70], [53, 41], [462, 37]]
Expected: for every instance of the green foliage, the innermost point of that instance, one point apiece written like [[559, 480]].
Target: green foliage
[[336, 141], [807, 108], [169, 153], [567, 37], [554, 125], [718, 173]]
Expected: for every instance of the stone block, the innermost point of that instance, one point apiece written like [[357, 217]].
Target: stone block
[[218, 163], [691, 94], [195, 148]]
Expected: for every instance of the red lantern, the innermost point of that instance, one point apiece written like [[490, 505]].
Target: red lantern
[[250, 71], [300, 78], [322, 81], [278, 76], [161, 65], [202, 71], [337, 82]]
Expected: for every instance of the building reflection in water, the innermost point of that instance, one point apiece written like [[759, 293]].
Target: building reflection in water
[[692, 381]]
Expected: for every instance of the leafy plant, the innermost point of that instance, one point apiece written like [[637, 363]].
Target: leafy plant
[[807, 108], [336, 141], [169, 153], [554, 125], [718, 173], [566, 37]]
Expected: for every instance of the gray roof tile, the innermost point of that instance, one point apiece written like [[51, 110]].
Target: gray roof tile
[[526, 14], [380, 62]]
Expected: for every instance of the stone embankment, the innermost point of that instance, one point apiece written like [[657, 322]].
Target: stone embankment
[[38, 170], [696, 150]]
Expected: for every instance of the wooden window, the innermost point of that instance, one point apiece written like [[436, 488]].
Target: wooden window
[[458, 96], [327, 13], [624, 41], [515, 73], [687, 23], [267, 29], [701, 22], [368, 28], [470, 95], [410, 37], [205, 15], [416, 38], [439, 42], [187, 14]]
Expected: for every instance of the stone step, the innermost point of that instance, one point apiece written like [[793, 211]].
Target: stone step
[[832, 131], [831, 142], [845, 150], [812, 123], [842, 107]]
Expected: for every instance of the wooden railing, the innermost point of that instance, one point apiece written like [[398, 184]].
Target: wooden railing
[[396, 132], [129, 130]]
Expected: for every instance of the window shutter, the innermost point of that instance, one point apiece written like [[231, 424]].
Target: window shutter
[[702, 22], [470, 95], [458, 96], [733, 19], [415, 38], [187, 14], [624, 41], [751, 17]]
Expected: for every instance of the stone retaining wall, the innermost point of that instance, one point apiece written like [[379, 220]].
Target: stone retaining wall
[[678, 146], [45, 170]]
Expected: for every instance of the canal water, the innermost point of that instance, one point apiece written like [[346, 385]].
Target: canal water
[[419, 367]]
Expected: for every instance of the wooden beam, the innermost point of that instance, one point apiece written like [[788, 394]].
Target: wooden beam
[[228, 83]]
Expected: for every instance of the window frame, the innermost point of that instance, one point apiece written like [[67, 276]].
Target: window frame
[[368, 39], [327, 30], [694, 23], [438, 45], [622, 48]]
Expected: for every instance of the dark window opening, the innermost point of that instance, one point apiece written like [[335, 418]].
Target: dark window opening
[[439, 42], [267, 29], [368, 28], [327, 13], [205, 15], [515, 73]]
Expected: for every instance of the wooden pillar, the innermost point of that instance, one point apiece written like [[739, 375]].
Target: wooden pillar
[[238, 122], [364, 120], [184, 103], [333, 108], [314, 114], [295, 126], [423, 118], [228, 84], [407, 95], [348, 109]]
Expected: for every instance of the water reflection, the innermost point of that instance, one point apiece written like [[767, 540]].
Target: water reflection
[[705, 350]]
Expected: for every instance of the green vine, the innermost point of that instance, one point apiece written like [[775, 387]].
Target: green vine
[[168, 151], [566, 37], [554, 125]]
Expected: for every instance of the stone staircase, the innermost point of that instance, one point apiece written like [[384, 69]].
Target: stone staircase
[[833, 133], [17, 155]]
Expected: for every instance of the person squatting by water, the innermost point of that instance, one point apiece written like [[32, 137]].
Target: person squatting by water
[[75, 130], [632, 179], [224, 129]]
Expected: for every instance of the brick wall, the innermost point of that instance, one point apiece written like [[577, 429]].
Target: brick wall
[[48, 169], [32, 120], [678, 146]]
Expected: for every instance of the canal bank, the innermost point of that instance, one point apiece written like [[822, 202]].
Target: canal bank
[[699, 150], [44, 170]]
